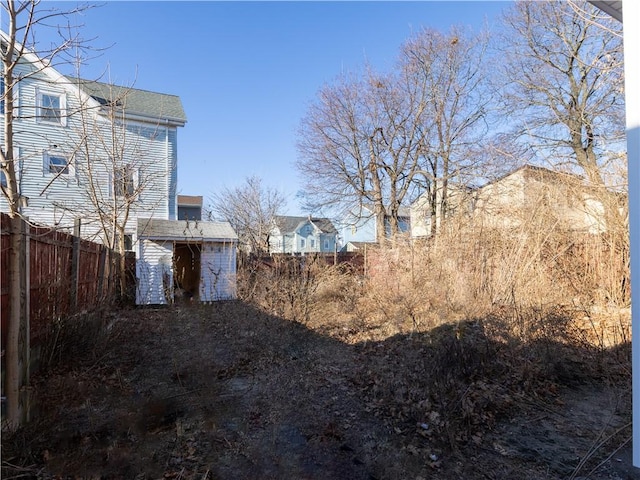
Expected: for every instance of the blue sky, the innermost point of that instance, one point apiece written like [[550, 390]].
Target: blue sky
[[247, 71]]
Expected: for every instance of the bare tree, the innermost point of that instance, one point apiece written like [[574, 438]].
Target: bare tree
[[116, 165], [359, 147], [373, 141], [447, 75], [563, 61], [250, 209], [20, 20]]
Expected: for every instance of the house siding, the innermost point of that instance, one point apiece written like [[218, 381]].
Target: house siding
[[530, 193], [217, 271], [154, 272], [172, 174], [151, 149]]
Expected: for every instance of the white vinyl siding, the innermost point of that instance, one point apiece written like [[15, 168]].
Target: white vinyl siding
[[217, 271], [57, 200], [154, 273]]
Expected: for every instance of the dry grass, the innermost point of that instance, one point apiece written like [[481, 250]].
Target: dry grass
[[441, 363]]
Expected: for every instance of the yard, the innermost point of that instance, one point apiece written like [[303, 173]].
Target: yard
[[228, 391]]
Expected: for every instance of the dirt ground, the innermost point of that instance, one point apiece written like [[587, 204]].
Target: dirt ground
[[228, 392]]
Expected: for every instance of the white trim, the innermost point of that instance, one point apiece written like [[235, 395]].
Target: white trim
[[51, 92], [46, 164], [631, 38]]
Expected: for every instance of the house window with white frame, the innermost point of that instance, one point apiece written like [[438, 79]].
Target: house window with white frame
[[51, 107], [302, 243], [326, 244], [124, 181], [312, 243], [57, 164]]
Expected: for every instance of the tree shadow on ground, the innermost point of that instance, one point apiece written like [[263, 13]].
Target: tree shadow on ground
[[228, 392]]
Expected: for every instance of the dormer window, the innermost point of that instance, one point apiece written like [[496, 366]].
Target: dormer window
[[51, 107]]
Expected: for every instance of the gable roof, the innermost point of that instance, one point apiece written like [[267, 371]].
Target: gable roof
[[143, 104], [287, 224], [158, 229], [537, 172], [135, 102]]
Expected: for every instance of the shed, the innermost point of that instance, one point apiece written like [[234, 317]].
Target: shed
[[185, 260]]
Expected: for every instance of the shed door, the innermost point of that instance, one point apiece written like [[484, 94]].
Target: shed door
[[186, 258]]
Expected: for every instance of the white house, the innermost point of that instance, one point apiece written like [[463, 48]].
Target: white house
[[83, 148], [108, 155], [302, 235], [459, 200], [360, 226]]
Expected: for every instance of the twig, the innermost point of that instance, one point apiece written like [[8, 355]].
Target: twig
[[594, 448], [609, 457]]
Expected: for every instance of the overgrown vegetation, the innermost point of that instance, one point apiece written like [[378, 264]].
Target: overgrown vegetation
[[476, 323], [479, 354]]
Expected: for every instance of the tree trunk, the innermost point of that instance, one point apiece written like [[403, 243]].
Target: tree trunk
[[17, 347]]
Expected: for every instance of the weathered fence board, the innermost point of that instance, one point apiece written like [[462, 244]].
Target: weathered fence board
[[56, 288]]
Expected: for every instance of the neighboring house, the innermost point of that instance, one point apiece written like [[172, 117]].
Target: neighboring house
[[65, 138], [183, 259], [531, 192], [460, 199], [361, 226], [353, 246], [83, 148], [302, 235], [189, 207]]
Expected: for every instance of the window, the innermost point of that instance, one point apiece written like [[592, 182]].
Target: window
[[57, 164], [124, 181], [51, 107], [312, 243], [3, 179], [128, 242], [326, 244], [302, 244]]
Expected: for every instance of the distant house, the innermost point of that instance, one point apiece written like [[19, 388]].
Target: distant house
[[531, 192], [460, 199], [180, 259], [361, 225], [352, 246], [302, 235], [189, 207]]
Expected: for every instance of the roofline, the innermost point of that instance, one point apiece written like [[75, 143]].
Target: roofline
[[139, 117], [169, 238], [609, 8], [50, 71]]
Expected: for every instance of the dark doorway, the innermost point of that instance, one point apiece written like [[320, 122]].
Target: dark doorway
[[186, 276]]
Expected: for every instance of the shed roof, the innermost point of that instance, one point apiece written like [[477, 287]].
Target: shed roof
[[186, 230]]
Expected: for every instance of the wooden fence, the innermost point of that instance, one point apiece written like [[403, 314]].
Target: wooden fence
[[353, 261], [66, 275]]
